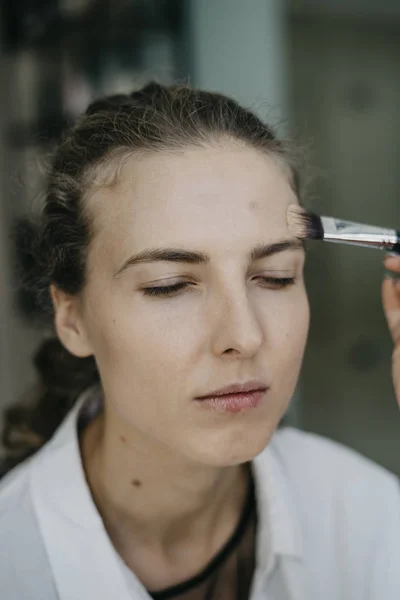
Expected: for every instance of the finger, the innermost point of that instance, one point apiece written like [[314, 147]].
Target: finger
[[396, 372], [391, 307], [392, 263]]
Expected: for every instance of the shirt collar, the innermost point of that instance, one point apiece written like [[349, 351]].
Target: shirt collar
[[279, 531], [59, 470]]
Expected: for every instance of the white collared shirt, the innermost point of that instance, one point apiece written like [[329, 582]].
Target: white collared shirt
[[328, 526]]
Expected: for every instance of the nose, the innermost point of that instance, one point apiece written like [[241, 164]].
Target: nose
[[236, 329]]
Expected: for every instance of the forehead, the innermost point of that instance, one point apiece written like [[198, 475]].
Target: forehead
[[195, 194]]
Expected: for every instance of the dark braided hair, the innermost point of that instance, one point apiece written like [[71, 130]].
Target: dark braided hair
[[53, 248]]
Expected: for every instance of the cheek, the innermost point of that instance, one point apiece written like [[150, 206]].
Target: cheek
[[288, 329], [135, 344]]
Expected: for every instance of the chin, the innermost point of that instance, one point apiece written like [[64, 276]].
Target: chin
[[236, 449]]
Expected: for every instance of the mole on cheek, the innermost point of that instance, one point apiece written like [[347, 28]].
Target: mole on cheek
[[136, 482], [123, 439]]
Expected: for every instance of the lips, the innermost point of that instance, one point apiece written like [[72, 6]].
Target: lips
[[236, 388], [233, 403]]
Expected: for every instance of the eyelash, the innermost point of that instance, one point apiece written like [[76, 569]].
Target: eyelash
[[279, 282]]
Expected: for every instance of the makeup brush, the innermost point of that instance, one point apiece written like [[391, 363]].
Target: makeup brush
[[307, 225]]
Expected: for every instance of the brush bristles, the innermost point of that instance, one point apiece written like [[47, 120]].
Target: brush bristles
[[304, 225]]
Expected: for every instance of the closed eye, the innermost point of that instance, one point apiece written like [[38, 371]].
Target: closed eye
[[166, 290]]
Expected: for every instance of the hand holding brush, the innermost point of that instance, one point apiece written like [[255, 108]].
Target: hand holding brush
[[391, 308]]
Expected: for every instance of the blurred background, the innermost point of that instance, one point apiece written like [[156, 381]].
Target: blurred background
[[326, 71]]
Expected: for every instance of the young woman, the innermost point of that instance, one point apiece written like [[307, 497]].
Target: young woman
[[156, 466]]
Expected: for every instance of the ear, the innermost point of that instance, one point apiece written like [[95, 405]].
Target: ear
[[69, 323]]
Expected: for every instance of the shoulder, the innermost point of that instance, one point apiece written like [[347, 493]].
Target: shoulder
[[321, 461], [336, 486], [348, 512], [24, 568]]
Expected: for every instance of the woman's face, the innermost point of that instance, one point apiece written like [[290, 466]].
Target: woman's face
[[157, 353]]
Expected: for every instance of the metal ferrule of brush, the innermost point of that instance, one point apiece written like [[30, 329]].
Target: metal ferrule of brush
[[359, 235]]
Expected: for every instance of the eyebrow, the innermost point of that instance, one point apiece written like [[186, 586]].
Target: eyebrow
[[194, 257]]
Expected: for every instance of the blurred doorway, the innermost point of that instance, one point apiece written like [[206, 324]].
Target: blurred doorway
[[345, 101]]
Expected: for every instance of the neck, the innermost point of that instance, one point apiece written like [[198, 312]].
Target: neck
[[149, 495]]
